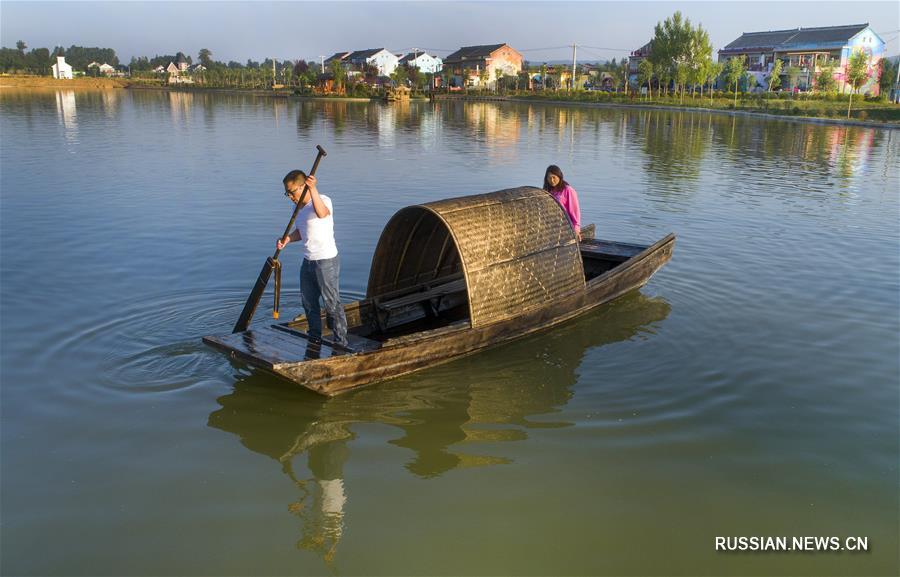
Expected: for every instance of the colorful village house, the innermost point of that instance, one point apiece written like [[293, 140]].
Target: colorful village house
[[634, 62], [809, 49], [467, 64]]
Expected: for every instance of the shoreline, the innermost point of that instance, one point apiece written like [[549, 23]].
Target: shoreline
[[750, 113], [91, 83]]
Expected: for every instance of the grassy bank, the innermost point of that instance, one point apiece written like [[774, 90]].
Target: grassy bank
[[81, 83], [832, 107]]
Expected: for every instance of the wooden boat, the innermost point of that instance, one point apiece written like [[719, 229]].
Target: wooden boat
[[450, 278], [397, 93]]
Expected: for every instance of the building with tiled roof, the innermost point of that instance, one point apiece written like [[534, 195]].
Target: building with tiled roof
[[381, 58], [467, 63], [423, 61], [809, 49]]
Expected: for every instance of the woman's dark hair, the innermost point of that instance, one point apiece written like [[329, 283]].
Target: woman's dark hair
[[553, 169]]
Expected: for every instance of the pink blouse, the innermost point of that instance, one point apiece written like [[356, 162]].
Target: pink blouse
[[568, 198]]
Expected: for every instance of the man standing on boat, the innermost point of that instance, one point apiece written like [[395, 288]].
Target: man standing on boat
[[321, 265]]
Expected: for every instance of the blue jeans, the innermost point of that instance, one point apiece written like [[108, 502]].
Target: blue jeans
[[319, 278]]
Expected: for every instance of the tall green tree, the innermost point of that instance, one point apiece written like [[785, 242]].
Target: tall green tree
[[700, 57], [825, 81], [400, 75], [887, 75], [857, 73], [713, 72], [21, 46], [682, 73], [793, 74], [751, 81], [679, 51], [734, 71], [775, 76], [415, 76], [645, 75], [205, 57], [338, 73]]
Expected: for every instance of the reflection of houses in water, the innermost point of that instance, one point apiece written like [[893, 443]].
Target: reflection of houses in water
[[498, 126], [180, 104], [487, 399], [430, 128], [110, 102], [279, 110], [387, 119], [850, 148], [66, 111]]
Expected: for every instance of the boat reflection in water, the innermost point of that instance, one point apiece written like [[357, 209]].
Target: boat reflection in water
[[487, 398]]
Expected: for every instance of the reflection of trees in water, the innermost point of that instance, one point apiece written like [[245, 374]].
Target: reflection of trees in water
[[375, 117], [674, 145], [486, 399], [820, 153]]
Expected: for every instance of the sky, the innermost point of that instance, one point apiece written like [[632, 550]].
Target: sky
[[541, 31]]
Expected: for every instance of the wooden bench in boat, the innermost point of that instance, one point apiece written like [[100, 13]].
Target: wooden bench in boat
[[610, 250], [430, 299]]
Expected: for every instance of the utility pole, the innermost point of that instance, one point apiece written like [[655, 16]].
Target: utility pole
[[574, 47]]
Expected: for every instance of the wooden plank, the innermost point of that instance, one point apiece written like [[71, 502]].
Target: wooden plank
[[608, 249], [355, 343], [440, 290], [270, 348]]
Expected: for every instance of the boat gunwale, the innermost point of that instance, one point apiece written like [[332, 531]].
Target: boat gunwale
[[581, 300]]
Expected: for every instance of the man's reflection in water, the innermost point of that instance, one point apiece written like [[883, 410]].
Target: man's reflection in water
[[322, 498], [489, 399]]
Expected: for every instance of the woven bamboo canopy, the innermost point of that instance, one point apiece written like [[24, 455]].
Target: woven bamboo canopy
[[515, 248]]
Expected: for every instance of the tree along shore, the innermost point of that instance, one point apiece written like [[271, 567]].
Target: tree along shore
[[827, 107], [832, 108]]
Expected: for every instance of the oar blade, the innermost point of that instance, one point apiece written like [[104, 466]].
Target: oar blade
[[255, 295]]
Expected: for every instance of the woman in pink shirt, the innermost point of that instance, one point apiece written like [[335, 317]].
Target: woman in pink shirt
[[565, 195]]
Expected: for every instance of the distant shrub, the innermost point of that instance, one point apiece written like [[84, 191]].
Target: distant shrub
[[795, 110], [361, 89], [862, 115]]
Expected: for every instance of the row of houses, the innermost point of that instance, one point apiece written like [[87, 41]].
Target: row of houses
[[465, 67], [63, 70], [807, 49]]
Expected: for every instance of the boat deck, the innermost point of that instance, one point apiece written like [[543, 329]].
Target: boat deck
[[276, 345]]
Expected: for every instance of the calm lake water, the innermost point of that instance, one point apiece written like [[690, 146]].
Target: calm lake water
[[752, 388]]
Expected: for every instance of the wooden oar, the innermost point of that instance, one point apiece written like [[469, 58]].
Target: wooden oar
[[266, 272]]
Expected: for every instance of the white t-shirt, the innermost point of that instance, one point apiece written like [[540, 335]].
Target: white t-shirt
[[317, 233]]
